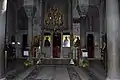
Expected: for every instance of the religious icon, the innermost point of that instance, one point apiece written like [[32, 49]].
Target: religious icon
[[36, 41], [47, 41], [76, 41], [66, 40]]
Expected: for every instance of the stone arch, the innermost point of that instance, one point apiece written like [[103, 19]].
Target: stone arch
[[93, 17], [22, 19]]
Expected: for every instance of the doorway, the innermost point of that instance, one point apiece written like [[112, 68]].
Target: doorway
[[90, 45], [24, 43], [56, 45]]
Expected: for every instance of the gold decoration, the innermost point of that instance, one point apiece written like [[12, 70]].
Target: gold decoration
[[36, 41], [53, 17]]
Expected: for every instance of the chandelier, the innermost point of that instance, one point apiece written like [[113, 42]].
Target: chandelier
[[82, 7], [53, 18]]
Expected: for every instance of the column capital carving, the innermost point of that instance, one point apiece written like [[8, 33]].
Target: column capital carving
[[30, 10]]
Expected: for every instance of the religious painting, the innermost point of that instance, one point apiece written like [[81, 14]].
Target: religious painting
[[47, 41], [76, 41], [66, 40], [36, 41]]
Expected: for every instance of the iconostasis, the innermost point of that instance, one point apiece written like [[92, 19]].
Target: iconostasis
[[65, 40]]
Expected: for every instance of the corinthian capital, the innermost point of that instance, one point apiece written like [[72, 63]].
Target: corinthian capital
[[30, 10]]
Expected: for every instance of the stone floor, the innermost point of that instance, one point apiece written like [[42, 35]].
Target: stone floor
[[98, 69], [53, 72], [56, 72], [14, 68]]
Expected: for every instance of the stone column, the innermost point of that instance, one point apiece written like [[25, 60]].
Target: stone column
[[9, 25], [30, 36], [51, 45], [61, 48], [29, 32], [112, 14], [82, 32], [3, 5], [42, 4], [101, 19], [2, 36], [29, 12]]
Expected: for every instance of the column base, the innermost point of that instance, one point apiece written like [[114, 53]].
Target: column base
[[2, 78], [113, 78], [51, 56], [113, 75]]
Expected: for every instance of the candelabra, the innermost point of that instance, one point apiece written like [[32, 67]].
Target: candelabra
[[53, 19]]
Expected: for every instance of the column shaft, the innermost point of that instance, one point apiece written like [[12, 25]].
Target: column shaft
[[30, 36], [2, 38], [42, 4], [29, 32], [83, 33], [112, 14]]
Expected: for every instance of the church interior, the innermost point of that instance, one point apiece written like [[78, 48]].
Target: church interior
[[59, 40]]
